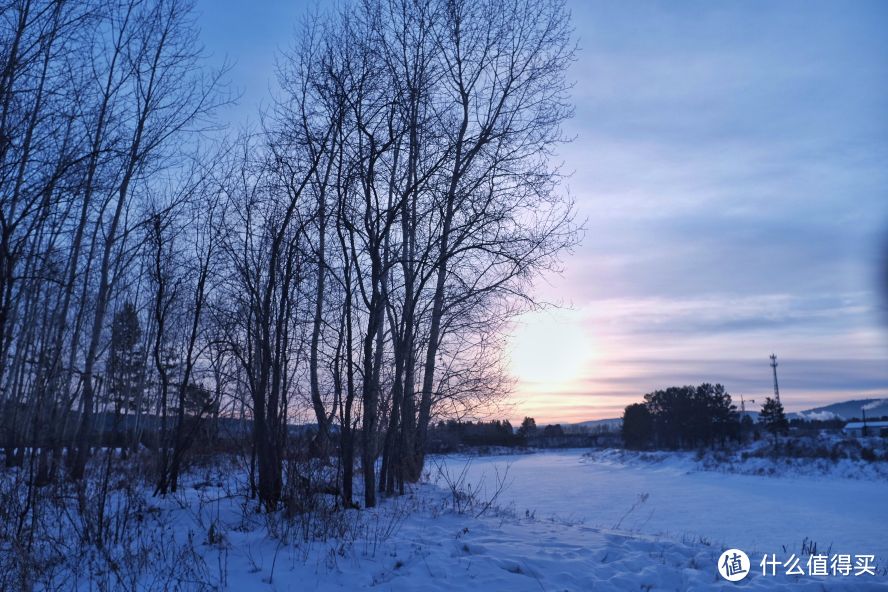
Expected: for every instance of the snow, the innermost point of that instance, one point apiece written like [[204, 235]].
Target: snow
[[818, 415], [750, 512], [564, 522], [759, 460], [434, 547]]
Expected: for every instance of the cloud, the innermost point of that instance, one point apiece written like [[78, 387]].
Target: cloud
[[730, 165]]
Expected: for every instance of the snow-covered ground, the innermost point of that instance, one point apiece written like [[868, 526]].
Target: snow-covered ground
[[757, 461], [565, 522], [553, 530], [750, 512]]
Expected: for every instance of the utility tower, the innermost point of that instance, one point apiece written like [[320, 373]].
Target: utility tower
[[774, 368]]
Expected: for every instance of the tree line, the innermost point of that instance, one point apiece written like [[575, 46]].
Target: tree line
[[682, 417], [454, 435], [689, 417], [352, 263]]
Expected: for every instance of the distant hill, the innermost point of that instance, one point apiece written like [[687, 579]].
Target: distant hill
[[614, 422], [844, 410]]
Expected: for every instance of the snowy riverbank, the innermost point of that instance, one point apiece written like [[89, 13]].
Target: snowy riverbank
[[757, 461]]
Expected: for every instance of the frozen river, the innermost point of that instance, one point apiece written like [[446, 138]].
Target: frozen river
[[753, 513]]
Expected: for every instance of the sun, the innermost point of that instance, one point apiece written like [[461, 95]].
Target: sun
[[550, 348]]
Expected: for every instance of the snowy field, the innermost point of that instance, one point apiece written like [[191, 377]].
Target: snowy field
[[564, 522], [753, 513]]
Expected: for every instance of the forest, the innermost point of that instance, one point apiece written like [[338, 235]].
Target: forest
[[333, 281]]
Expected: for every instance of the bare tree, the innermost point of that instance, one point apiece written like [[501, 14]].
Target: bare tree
[[165, 96], [355, 260]]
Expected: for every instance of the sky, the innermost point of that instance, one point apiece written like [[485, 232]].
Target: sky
[[730, 166]]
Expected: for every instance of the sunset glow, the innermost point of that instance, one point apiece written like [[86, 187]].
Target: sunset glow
[[729, 209]]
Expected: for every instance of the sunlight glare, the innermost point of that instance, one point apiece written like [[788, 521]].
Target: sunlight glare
[[550, 348]]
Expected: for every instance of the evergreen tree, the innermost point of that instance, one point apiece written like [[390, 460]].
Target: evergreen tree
[[125, 365], [198, 400], [773, 418], [528, 427], [553, 431], [638, 426]]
